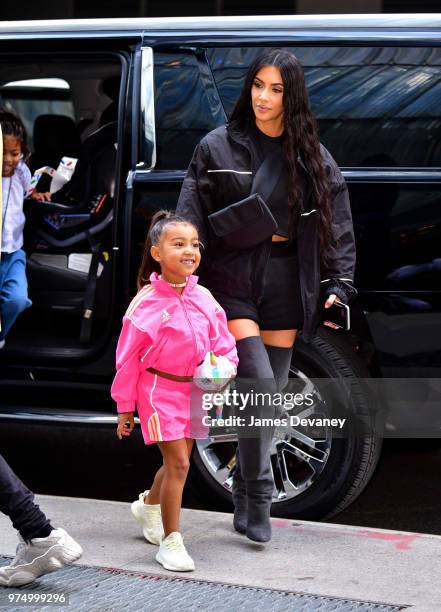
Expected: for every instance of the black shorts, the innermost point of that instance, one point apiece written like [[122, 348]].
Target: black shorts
[[281, 306]]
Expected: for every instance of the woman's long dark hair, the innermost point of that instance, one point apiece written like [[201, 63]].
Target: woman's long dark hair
[[159, 222], [12, 125], [300, 136]]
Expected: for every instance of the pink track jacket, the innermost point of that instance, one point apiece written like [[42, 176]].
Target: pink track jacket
[[170, 332]]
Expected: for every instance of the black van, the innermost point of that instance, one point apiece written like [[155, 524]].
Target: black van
[[130, 98]]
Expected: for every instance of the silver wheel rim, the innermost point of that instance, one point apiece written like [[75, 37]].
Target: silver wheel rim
[[297, 459]]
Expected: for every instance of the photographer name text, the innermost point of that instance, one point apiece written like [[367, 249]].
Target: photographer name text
[[291, 421]]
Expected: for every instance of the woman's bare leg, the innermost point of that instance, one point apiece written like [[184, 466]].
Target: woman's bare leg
[[283, 338], [243, 328]]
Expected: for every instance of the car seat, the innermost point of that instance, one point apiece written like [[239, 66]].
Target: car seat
[[54, 136], [75, 222]]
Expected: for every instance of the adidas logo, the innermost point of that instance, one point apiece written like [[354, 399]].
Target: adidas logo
[[166, 316]]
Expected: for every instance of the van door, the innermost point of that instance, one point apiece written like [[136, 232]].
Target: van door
[[184, 108], [71, 106]]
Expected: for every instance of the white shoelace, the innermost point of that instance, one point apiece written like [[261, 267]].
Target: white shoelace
[[153, 513], [175, 544]]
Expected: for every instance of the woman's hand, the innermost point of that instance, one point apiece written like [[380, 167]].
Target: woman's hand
[[126, 424], [331, 299], [41, 196]]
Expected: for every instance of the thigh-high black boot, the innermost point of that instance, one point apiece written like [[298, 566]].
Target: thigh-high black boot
[[239, 498], [254, 465], [280, 360]]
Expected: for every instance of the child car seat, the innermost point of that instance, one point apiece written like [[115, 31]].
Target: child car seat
[[81, 226], [54, 136]]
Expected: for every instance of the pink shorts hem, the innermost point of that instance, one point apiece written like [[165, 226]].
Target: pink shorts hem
[[169, 410]]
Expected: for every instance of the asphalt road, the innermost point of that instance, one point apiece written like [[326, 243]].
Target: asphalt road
[[404, 493]]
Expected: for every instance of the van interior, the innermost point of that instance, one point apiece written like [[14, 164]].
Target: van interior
[[70, 111]]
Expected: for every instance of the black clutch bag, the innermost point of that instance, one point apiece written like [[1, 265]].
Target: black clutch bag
[[244, 224]]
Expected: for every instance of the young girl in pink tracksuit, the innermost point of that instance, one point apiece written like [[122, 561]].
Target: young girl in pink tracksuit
[[168, 329]]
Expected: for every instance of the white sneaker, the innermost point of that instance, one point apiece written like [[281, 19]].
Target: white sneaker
[[149, 517], [172, 554], [41, 556]]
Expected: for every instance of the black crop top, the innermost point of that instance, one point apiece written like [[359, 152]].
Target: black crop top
[[278, 201]]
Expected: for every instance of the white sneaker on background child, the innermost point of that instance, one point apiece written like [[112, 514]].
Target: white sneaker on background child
[[172, 554], [148, 516], [40, 556]]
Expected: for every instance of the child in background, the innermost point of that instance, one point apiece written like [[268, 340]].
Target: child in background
[[16, 178], [15, 182], [168, 328]]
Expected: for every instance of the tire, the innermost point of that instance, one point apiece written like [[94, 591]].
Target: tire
[[346, 463]]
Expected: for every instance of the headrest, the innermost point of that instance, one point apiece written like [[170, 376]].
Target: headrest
[[109, 114], [55, 136]]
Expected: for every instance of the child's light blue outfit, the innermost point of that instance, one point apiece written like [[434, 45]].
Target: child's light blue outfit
[[13, 283]]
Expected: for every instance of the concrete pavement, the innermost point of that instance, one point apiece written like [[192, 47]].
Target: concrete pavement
[[390, 567]]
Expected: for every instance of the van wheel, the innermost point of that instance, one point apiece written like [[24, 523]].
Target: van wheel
[[317, 476]]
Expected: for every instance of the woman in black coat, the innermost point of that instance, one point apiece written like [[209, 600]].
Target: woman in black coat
[[275, 288]]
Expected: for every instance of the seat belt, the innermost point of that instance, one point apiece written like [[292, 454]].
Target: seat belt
[[89, 296]]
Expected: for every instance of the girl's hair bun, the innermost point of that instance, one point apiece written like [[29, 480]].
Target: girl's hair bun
[[160, 220]]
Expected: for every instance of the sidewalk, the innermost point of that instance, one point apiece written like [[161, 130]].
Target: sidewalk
[[371, 566]]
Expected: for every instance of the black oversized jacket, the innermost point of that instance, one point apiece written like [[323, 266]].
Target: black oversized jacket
[[221, 173]]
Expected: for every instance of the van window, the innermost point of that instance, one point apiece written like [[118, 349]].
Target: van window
[[186, 108], [32, 97], [375, 106]]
